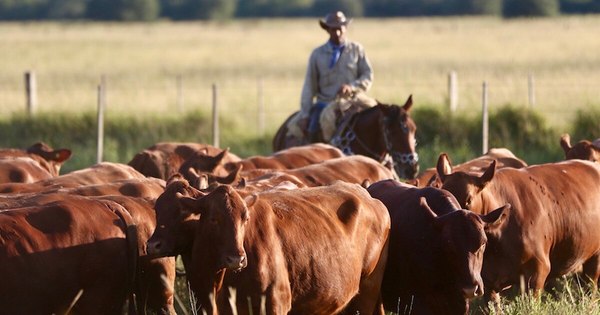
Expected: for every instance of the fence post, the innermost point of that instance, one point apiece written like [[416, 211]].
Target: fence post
[[179, 82], [484, 118], [531, 90], [31, 92], [452, 91], [215, 116], [261, 108], [101, 107]]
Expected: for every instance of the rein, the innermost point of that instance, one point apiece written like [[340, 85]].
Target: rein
[[346, 135]]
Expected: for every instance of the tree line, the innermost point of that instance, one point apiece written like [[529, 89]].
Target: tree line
[[149, 10]]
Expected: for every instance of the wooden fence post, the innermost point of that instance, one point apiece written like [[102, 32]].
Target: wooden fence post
[[179, 82], [452, 91], [31, 92], [484, 109], [531, 90], [101, 107], [261, 108], [215, 116]]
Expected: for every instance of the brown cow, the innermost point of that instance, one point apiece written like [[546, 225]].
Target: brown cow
[[290, 158], [100, 173], [584, 149], [163, 159], [503, 156], [305, 251], [552, 229], [46, 157], [61, 256], [155, 277], [352, 169], [435, 252]]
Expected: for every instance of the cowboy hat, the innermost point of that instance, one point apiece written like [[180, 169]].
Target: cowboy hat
[[334, 20]]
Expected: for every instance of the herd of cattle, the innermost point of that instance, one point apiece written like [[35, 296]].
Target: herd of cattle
[[305, 230]]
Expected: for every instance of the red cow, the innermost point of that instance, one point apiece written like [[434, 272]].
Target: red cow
[[46, 157], [503, 156], [61, 257], [435, 250], [306, 251], [290, 158], [552, 229], [355, 169], [163, 159], [100, 173], [584, 149]]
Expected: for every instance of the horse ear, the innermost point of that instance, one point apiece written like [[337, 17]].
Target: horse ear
[[565, 143], [408, 104], [444, 166]]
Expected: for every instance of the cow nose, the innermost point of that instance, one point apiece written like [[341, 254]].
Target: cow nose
[[153, 247], [236, 262], [473, 291]]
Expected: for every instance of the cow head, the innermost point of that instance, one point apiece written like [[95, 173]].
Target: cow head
[[52, 159], [465, 187], [203, 163], [462, 237], [583, 150], [175, 224], [220, 231]]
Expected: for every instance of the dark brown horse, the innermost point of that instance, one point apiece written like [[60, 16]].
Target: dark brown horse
[[378, 132]]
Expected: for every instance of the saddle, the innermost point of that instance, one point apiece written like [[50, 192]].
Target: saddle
[[337, 115]]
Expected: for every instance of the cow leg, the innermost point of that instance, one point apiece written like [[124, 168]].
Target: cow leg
[[368, 300], [537, 275], [591, 269]]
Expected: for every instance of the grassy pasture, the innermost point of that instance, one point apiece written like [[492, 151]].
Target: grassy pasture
[[141, 63]]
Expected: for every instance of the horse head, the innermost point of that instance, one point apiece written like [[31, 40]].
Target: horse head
[[398, 130], [380, 132]]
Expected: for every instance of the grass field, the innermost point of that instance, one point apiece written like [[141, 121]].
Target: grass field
[[141, 63]]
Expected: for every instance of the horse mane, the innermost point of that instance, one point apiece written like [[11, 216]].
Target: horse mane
[[392, 110]]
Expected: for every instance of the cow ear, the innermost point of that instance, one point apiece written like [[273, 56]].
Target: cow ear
[[487, 176], [241, 184], [494, 219], [190, 205], [251, 200], [565, 143], [444, 166], [408, 104], [427, 210], [61, 155]]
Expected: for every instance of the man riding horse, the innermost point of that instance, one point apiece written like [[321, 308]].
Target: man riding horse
[[338, 68]]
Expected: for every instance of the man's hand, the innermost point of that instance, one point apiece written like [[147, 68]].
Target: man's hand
[[345, 90]]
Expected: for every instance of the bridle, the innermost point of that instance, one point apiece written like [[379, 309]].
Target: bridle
[[346, 136]]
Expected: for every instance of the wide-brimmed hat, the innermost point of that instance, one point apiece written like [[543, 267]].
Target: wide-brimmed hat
[[334, 19]]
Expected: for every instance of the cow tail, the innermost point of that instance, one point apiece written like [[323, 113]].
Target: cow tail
[[131, 235]]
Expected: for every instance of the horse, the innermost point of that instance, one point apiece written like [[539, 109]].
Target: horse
[[378, 132]]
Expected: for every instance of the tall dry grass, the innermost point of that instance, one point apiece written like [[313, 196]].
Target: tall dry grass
[[410, 56]]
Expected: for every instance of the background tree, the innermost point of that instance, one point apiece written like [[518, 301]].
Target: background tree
[[65, 9], [138, 10], [210, 9], [516, 8], [350, 7]]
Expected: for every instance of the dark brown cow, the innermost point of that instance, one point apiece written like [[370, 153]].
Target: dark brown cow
[[552, 229], [155, 277], [305, 251], [100, 173], [46, 157], [163, 159], [285, 159], [62, 255], [503, 156], [583, 150], [435, 252]]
